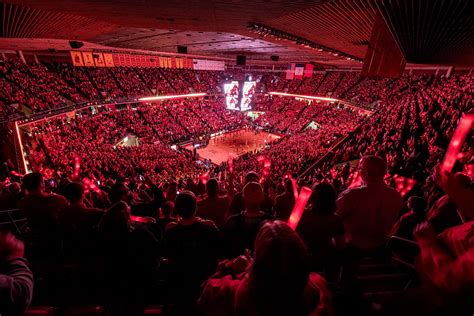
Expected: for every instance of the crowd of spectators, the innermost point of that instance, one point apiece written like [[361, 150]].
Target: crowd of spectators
[[40, 87], [33, 87], [330, 82], [149, 223]]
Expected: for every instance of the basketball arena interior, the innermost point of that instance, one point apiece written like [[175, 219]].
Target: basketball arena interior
[[261, 158]]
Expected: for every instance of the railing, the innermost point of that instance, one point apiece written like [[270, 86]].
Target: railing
[[7, 219]]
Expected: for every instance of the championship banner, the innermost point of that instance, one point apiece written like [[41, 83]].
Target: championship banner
[[109, 60], [132, 61], [88, 59], [117, 59], [161, 62], [123, 60], [146, 61], [77, 60], [188, 63], [173, 62], [167, 61], [99, 59], [129, 60], [154, 62]]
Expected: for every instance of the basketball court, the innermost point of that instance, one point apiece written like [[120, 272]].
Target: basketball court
[[235, 144]]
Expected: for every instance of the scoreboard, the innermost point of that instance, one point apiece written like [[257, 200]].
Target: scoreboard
[[239, 95]]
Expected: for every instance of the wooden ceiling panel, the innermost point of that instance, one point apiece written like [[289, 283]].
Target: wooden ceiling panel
[[428, 31]]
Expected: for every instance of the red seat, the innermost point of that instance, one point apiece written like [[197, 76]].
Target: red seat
[[40, 310], [153, 310], [83, 310]]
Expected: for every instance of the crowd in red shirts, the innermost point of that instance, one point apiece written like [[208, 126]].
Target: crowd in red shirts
[[149, 223]]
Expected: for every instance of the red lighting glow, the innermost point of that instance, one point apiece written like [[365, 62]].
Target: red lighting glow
[[168, 97], [91, 185], [298, 210], [231, 164], [303, 96], [204, 177], [140, 219], [403, 185], [455, 145], [355, 180], [293, 184], [77, 167]]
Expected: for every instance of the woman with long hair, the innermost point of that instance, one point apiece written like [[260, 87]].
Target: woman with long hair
[[277, 281]]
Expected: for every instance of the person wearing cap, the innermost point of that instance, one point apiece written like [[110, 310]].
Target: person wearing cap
[[241, 229]]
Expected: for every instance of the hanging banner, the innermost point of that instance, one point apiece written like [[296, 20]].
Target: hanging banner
[[77, 60], [290, 72], [109, 60], [188, 63], [299, 71], [98, 59], [88, 59], [308, 70], [202, 64]]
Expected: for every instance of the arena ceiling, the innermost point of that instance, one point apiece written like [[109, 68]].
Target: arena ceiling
[[427, 31]]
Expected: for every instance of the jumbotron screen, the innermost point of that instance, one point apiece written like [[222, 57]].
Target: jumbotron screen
[[247, 95], [231, 91]]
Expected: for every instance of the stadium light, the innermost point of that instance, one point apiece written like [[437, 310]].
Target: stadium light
[[168, 97], [303, 96]]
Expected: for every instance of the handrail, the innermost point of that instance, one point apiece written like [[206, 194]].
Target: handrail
[[12, 221], [408, 241], [10, 210]]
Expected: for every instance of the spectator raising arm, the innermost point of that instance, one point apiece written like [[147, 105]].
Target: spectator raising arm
[[16, 279]]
